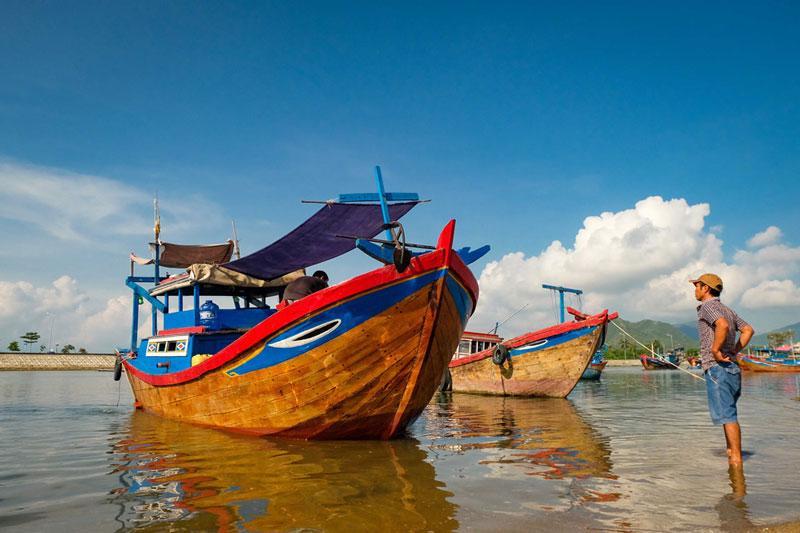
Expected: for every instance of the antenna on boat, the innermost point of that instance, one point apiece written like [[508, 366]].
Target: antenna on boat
[[235, 241], [561, 291], [509, 317]]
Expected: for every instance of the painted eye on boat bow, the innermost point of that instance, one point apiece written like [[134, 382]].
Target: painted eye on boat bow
[[308, 336]]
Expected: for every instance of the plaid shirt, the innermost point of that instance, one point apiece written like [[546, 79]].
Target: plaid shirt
[[709, 312]]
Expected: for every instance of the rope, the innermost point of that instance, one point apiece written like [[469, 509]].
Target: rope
[[656, 355], [509, 317], [762, 400]]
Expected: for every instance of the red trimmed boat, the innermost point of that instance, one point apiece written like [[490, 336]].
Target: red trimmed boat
[[357, 360], [769, 364], [548, 362], [670, 361]]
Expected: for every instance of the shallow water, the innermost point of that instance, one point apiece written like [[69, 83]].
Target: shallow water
[[634, 451]]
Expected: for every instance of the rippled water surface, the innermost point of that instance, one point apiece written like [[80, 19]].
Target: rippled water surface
[[635, 451]]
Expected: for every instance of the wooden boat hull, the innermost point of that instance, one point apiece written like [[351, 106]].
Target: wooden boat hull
[[548, 363], [593, 371], [754, 364], [369, 379]]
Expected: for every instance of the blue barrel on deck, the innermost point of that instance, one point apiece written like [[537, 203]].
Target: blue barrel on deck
[[209, 315]]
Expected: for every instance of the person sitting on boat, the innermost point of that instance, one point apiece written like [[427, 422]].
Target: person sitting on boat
[[305, 285], [717, 325]]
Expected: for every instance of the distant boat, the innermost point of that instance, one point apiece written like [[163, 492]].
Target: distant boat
[[669, 361], [357, 360], [596, 365], [769, 364], [548, 362]]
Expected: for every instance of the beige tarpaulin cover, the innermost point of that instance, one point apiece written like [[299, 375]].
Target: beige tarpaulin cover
[[219, 275], [187, 255]]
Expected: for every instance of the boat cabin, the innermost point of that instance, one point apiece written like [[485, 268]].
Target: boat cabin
[[215, 299], [473, 342]]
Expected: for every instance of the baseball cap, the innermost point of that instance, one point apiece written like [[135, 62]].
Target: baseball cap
[[712, 280]]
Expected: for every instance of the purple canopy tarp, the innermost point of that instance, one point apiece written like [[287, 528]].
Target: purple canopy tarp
[[315, 240]]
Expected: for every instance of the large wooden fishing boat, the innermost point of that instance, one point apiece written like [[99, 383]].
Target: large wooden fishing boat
[[548, 362], [357, 360]]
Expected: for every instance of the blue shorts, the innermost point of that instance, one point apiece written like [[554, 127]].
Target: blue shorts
[[724, 386]]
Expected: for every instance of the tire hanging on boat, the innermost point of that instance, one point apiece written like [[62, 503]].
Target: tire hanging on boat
[[500, 354], [117, 369]]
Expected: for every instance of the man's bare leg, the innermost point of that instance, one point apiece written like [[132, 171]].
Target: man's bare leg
[[733, 438]]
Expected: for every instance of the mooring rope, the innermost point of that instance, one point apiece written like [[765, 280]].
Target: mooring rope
[[768, 402], [509, 317], [655, 354]]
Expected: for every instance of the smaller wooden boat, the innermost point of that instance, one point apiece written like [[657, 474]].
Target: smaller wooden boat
[[548, 362], [596, 366], [769, 364]]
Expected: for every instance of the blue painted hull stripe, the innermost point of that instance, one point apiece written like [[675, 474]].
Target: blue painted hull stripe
[[552, 341], [352, 313], [461, 298]]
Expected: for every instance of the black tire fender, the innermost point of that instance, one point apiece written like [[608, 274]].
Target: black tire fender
[[117, 369], [500, 355]]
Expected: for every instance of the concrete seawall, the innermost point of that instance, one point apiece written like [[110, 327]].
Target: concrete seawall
[[102, 361], [52, 361]]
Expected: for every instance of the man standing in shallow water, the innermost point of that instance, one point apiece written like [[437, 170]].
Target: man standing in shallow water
[[717, 325]]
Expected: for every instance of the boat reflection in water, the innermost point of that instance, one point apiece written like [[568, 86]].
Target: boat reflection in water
[[193, 478], [545, 437]]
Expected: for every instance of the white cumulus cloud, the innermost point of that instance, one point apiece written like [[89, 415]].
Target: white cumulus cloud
[[772, 293], [73, 316], [637, 261], [771, 235]]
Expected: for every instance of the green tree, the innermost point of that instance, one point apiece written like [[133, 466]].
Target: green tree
[[30, 338], [82, 350], [42, 348], [13, 346], [779, 338], [67, 348], [625, 344], [656, 346]]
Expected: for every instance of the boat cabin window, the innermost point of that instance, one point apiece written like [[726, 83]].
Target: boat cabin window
[[463, 347], [171, 346], [162, 347]]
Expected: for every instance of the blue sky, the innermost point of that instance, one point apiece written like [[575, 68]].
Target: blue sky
[[518, 119]]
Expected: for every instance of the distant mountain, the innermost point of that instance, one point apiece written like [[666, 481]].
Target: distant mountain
[[761, 338], [689, 329], [682, 334], [646, 331]]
